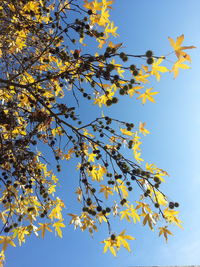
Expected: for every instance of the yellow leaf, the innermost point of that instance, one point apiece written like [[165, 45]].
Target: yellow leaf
[[179, 65], [156, 68], [91, 157], [5, 241], [137, 156], [147, 96], [171, 216], [134, 90], [58, 131], [106, 190], [58, 226], [120, 186], [44, 227], [141, 77], [86, 133], [160, 198], [148, 219], [126, 132], [164, 231], [142, 129], [179, 49]]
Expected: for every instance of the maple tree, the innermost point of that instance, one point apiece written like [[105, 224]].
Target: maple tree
[[41, 65]]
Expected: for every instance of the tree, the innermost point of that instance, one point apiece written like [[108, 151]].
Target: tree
[[44, 77]]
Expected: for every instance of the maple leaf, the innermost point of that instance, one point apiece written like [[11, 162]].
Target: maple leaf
[[141, 77], [126, 132], [116, 46], [142, 129], [91, 157], [134, 90], [58, 226], [164, 231], [111, 29], [130, 213], [56, 212], [171, 216], [179, 65], [156, 68], [125, 214], [44, 227], [121, 240], [120, 186], [179, 49], [115, 244], [106, 190], [75, 220], [137, 156], [21, 232], [147, 96], [5, 241], [58, 131], [79, 194], [160, 198], [134, 214], [31, 6], [148, 219]]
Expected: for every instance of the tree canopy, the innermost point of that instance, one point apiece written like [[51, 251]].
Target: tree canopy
[[55, 55]]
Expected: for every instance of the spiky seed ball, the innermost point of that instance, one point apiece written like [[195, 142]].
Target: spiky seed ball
[[132, 67], [122, 55], [156, 179], [99, 208], [6, 229], [114, 100], [149, 53], [89, 12], [109, 102], [150, 60], [108, 209], [112, 237], [135, 73], [121, 91]]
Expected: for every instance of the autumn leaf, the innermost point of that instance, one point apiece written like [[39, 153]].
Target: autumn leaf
[[120, 185], [44, 227], [148, 95], [179, 65], [143, 130], [115, 242], [5, 241], [121, 240], [126, 132], [148, 219], [172, 217], [58, 225], [156, 69], [137, 156], [164, 231], [129, 214], [160, 198], [20, 232], [179, 49], [106, 190], [142, 77]]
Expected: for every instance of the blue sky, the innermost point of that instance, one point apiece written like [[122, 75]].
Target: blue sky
[[174, 145]]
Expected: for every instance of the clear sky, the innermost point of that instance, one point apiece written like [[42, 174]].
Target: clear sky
[[173, 145]]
